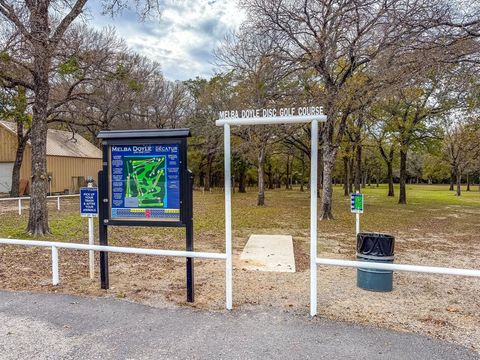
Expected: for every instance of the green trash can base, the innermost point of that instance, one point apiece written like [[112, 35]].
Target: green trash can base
[[373, 279]]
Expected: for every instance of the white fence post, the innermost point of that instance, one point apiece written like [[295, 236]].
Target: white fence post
[[91, 255], [19, 206], [228, 219], [313, 218], [55, 273], [58, 203]]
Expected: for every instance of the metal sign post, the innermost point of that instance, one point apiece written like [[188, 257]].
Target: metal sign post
[[356, 207], [89, 208]]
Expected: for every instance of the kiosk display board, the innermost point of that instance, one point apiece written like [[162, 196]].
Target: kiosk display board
[[145, 182]]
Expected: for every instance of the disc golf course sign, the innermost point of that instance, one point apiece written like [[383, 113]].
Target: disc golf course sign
[[145, 182]]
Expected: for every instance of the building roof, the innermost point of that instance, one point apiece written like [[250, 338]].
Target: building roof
[[144, 133], [63, 143]]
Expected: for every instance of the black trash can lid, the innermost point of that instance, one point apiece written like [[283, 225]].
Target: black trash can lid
[[375, 244]]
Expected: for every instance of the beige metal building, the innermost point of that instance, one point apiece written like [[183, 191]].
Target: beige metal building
[[70, 159]]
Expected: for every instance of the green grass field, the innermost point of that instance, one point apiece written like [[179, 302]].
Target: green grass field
[[435, 228], [285, 211]]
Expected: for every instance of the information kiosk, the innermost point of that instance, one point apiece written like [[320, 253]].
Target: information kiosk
[[145, 182]]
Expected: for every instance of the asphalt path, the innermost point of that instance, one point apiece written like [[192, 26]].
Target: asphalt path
[[51, 326]]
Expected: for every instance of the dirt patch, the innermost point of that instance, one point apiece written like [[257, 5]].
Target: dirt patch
[[302, 257]]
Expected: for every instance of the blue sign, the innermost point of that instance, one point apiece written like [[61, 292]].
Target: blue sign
[[356, 203], [145, 182], [89, 201]]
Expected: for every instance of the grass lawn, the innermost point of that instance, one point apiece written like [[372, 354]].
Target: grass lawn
[[434, 228]]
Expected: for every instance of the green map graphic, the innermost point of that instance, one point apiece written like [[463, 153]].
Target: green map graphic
[[145, 180]]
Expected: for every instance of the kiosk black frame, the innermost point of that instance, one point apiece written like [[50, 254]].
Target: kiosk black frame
[[146, 137]]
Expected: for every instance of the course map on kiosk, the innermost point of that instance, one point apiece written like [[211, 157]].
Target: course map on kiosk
[[145, 182]]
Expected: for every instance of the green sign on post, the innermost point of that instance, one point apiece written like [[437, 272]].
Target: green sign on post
[[356, 203]]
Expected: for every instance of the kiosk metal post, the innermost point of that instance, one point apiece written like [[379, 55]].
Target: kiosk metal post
[[189, 238], [103, 229]]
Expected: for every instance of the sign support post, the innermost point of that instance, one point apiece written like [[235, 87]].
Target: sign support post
[[228, 218], [356, 207], [89, 208], [313, 218], [189, 238], [357, 225], [91, 241]]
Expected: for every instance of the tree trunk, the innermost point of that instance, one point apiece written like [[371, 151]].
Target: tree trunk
[[208, 173], [468, 182], [391, 191], [320, 165], [279, 181], [271, 179], [358, 168], [261, 177], [302, 179], [459, 183], [452, 181], [351, 175], [329, 154], [346, 177], [242, 181], [403, 177], [22, 143], [38, 215], [287, 176]]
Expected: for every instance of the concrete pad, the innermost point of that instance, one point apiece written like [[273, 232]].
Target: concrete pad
[[269, 253]]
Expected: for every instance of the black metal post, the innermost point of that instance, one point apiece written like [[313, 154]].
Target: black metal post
[[103, 230], [189, 237]]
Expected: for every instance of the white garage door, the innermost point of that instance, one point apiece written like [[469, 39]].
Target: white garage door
[[5, 177]]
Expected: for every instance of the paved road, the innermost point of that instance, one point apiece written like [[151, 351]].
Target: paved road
[[49, 326]]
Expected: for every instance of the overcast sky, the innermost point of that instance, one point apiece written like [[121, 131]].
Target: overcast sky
[[182, 39]]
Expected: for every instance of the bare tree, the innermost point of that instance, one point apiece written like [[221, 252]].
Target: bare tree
[[461, 146], [209, 97], [262, 83], [339, 40], [42, 25]]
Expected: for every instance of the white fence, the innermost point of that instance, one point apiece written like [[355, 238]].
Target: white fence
[[115, 249], [314, 260], [19, 200]]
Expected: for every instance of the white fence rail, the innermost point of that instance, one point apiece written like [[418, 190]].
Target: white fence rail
[[115, 249], [19, 200], [399, 267]]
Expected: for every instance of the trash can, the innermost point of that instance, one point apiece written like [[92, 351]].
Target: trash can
[[373, 247]]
